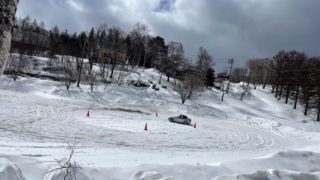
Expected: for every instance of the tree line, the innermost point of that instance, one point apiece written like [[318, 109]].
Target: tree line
[[142, 50], [291, 74]]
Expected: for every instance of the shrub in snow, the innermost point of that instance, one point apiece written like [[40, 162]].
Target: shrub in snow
[[10, 171], [63, 169], [66, 168]]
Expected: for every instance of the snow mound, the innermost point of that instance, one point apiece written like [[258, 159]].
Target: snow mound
[[286, 159], [289, 165], [152, 175], [271, 174], [10, 171]]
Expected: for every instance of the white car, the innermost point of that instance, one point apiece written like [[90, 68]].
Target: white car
[[180, 119]]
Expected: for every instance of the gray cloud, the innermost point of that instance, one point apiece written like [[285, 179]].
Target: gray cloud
[[226, 28]]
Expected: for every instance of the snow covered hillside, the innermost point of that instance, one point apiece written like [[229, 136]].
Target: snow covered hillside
[[256, 138]]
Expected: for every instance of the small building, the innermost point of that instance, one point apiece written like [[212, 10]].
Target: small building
[[107, 51], [218, 82], [181, 72]]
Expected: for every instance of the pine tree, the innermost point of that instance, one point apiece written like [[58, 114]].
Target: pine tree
[[103, 35], [91, 48], [210, 77]]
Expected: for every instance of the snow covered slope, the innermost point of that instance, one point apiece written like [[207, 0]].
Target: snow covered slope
[[256, 138]]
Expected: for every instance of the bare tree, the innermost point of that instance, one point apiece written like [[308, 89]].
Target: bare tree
[[33, 37], [116, 37], [43, 35], [162, 66], [187, 62], [7, 13], [52, 63], [292, 74], [287, 72], [224, 89], [244, 89], [67, 168], [314, 80], [265, 69], [92, 79], [182, 90], [175, 58], [79, 61], [133, 41], [204, 61], [121, 75], [256, 71], [187, 87], [239, 74], [68, 72], [29, 37], [140, 34], [104, 72], [13, 67]]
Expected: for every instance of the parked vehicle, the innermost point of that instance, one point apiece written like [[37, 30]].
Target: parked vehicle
[[180, 119]]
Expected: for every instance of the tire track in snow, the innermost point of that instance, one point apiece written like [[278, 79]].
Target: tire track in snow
[[106, 128]]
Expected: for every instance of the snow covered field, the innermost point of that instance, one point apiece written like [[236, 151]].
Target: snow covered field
[[257, 138]]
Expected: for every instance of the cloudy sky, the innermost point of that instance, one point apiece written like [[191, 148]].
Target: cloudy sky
[[238, 29]]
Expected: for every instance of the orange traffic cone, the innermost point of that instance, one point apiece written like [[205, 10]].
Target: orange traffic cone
[[195, 125], [146, 127], [88, 114]]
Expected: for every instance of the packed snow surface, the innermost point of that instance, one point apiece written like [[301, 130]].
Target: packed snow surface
[[256, 138]]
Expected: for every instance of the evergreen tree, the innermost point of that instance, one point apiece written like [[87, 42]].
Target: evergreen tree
[[210, 77], [103, 35], [54, 39], [91, 48], [129, 49]]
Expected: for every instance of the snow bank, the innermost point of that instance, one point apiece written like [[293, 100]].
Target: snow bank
[[272, 174], [152, 175], [10, 171], [287, 165], [290, 165]]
